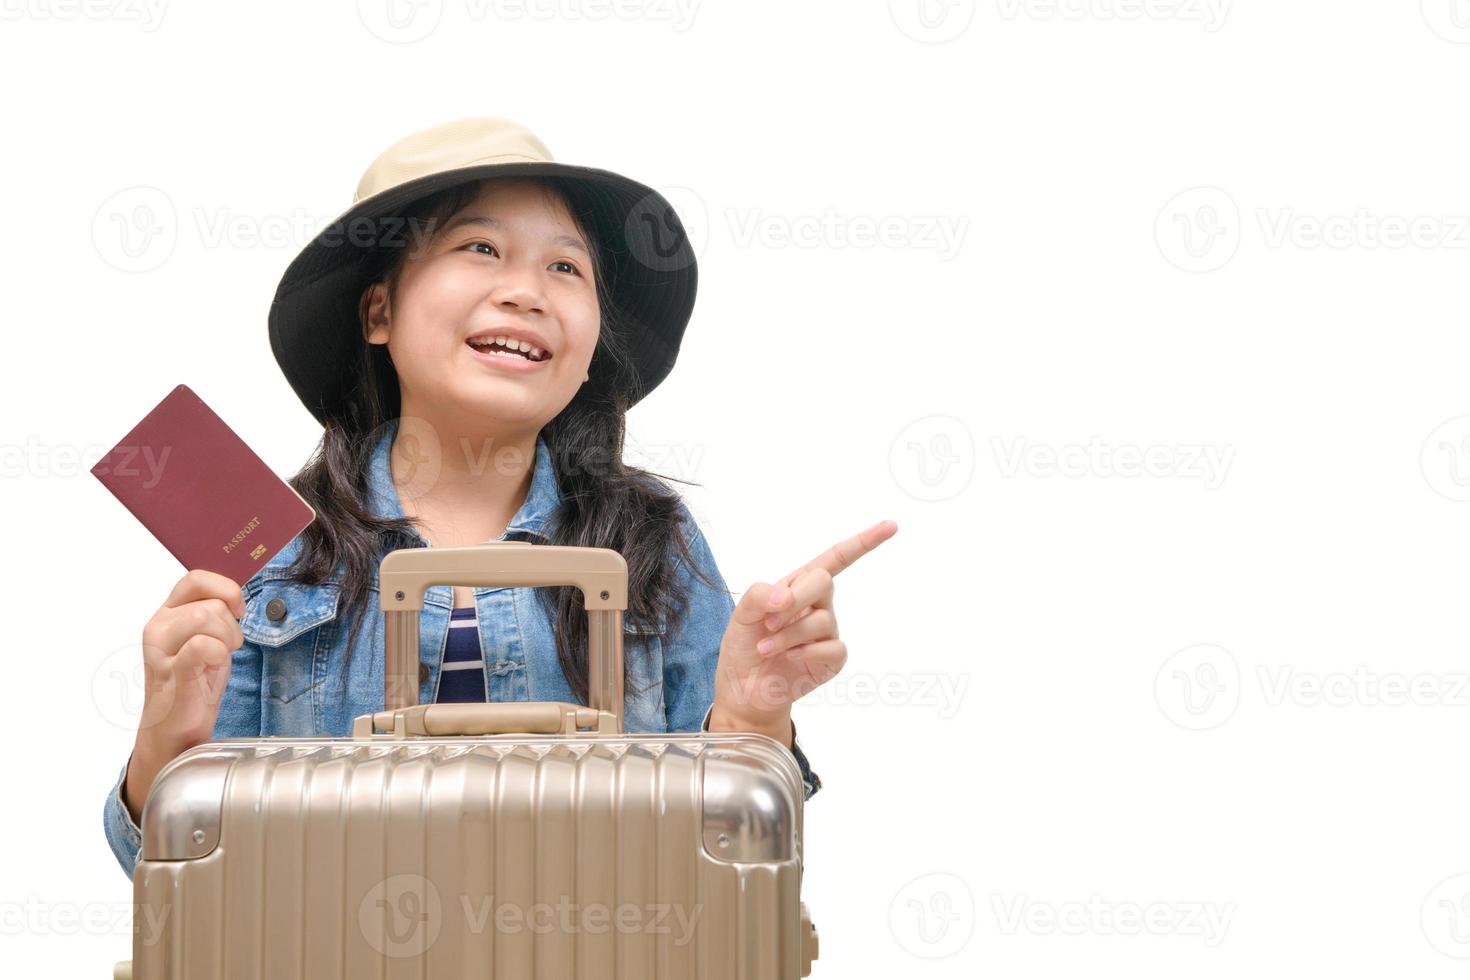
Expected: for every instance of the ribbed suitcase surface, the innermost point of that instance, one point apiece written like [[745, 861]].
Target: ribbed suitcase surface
[[414, 854], [471, 858]]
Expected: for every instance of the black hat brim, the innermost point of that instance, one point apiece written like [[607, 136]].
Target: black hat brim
[[648, 263]]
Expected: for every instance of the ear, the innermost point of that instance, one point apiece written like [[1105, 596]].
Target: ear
[[375, 313]]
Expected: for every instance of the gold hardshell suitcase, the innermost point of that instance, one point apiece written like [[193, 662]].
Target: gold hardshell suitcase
[[511, 840]]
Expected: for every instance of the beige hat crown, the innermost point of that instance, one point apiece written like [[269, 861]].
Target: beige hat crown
[[451, 146]]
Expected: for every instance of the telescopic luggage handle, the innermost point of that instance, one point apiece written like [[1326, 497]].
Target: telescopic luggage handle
[[601, 574]]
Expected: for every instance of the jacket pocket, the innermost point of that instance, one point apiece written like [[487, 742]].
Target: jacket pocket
[[287, 619]]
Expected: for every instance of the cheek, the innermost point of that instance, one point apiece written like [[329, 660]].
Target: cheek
[[428, 314], [440, 296], [582, 328]]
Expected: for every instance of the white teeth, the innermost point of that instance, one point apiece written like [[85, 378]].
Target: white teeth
[[529, 351], [510, 343]]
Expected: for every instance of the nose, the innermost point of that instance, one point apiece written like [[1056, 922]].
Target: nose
[[517, 289]]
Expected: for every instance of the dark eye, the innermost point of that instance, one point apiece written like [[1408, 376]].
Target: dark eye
[[481, 245], [570, 268]]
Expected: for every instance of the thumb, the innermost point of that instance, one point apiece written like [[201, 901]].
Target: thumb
[[759, 601]]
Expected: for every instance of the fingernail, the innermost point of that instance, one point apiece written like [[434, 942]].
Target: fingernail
[[778, 595], [764, 646]]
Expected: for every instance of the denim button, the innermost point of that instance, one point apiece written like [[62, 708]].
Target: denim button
[[275, 610], [423, 673]]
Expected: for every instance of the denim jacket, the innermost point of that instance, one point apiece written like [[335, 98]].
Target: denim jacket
[[292, 675]]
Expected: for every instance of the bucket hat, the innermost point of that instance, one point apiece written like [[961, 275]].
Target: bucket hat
[[648, 263]]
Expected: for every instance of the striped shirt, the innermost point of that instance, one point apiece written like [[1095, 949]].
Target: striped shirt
[[462, 675]]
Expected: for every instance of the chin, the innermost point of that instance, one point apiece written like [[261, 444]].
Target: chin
[[501, 401]]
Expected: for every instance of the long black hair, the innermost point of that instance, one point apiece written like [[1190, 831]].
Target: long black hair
[[604, 502]]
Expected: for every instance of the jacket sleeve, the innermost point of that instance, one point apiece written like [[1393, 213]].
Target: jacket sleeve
[[123, 836], [239, 715], [692, 652]]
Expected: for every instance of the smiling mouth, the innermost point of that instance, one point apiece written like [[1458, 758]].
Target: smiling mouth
[[502, 350]]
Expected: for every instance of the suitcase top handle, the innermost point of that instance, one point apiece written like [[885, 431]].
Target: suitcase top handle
[[444, 720], [601, 574]]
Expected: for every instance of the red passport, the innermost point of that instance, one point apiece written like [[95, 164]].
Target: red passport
[[203, 493]]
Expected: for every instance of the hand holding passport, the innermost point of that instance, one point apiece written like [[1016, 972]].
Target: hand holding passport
[[201, 490]]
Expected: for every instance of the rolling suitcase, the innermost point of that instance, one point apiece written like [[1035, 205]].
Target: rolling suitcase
[[511, 840]]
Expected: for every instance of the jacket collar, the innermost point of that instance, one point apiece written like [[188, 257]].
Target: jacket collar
[[532, 519]]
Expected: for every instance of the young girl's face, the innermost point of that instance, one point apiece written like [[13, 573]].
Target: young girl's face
[[512, 262]]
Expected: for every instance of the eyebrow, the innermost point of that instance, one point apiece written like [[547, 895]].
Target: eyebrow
[[489, 222]]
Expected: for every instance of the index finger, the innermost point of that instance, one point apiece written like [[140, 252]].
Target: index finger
[[845, 552], [199, 583]]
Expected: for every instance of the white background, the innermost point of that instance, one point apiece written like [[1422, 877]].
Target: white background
[[1111, 708]]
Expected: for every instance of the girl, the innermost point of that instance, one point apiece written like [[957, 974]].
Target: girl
[[471, 334]]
